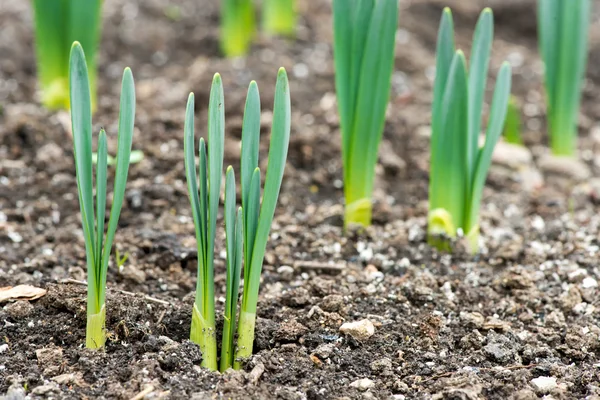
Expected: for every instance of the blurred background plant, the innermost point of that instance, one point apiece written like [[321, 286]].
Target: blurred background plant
[[59, 23]]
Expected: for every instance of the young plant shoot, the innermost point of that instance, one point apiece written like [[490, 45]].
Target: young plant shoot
[[97, 246], [279, 17], [246, 228], [512, 126], [458, 165], [364, 42], [58, 23], [563, 36], [237, 27]]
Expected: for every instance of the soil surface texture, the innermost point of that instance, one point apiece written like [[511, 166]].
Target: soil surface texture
[[520, 320]]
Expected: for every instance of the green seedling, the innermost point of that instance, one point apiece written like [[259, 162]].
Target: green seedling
[[279, 17], [459, 166], [512, 125], [563, 36], [58, 23], [247, 227], [237, 27], [364, 42], [97, 246]]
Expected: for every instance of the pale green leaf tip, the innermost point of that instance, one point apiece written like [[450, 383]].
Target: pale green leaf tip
[[102, 132], [281, 72], [487, 11], [229, 169], [447, 11], [217, 78], [191, 96]]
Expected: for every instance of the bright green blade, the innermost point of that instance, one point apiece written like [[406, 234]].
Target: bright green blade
[[101, 193], [278, 148], [373, 95], [549, 25], [512, 125], [279, 17], [252, 214], [249, 159], [494, 130], [51, 20], [237, 27], [203, 196], [84, 26], [445, 50], [450, 175], [192, 178], [351, 21], [227, 346], [81, 121], [124, 140], [216, 144], [573, 39], [478, 71]]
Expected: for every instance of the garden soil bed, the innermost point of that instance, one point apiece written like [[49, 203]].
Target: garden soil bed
[[521, 320]]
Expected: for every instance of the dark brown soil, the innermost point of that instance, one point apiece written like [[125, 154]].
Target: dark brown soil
[[446, 326]]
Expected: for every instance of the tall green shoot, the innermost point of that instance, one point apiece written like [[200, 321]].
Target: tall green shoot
[[279, 17], [237, 27], [247, 227], [58, 23], [513, 124], [364, 43], [97, 246], [459, 165], [563, 36]]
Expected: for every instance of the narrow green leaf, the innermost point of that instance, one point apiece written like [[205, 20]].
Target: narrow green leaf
[[249, 156], [351, 24], [237, 27], [192, 181], [572, 52], [278, 148], [216, 145], [231, 290], [279, 17], [81, 121], [101, 194], [549, 24], [52, 51], [373, 96], [252, 214], [451, 178], [205, 284], [126, 122], [494, 130], [512, 126], [445, 50], [478, 71], [84, 19]]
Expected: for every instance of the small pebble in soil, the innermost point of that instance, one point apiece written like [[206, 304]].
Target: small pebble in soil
[[286, 272], [19, 309], [363, 384], [382, 366], [359, 330], [544, 384]]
